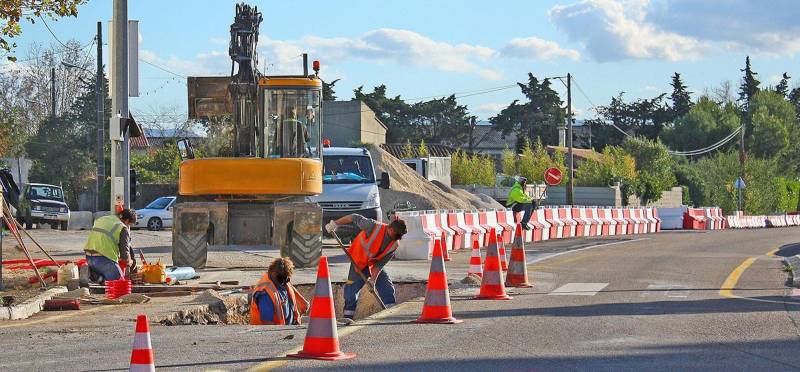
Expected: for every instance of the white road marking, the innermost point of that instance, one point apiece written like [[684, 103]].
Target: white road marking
[[540, 259], [579, 289], [668, 290]]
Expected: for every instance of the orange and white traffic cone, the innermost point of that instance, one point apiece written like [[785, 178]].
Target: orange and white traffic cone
[[437, 297], [492, 287], [501, 246], [322, 339], [517, 275], [444, 246], [142, 358], [475, 261]]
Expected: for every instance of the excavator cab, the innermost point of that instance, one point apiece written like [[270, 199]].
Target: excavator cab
[[292, 117]]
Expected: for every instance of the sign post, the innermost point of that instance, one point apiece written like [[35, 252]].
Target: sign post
[[739, 185]]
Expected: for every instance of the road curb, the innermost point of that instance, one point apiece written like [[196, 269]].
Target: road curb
[[30, 306], [793, 264]]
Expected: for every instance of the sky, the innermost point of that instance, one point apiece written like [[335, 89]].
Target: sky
[[428, 48]]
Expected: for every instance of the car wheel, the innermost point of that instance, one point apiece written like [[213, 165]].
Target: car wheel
[[64, 225], [54, 225], [154, 224], [28, 224]]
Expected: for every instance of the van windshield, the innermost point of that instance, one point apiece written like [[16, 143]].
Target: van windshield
[[46, 192], [347, 169]]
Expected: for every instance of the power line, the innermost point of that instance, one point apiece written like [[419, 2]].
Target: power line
[[163, 69], [53, 34]]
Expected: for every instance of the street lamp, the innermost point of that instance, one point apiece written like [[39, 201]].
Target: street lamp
[[100, 153]]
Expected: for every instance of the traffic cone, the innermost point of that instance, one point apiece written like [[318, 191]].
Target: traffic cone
[[492, 287], [501, 246], [444, 247], [437, 297], [322, 339], [142, 358], [475, 261], [517, 275]]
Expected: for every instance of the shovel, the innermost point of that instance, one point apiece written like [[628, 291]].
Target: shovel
[[370, 284]]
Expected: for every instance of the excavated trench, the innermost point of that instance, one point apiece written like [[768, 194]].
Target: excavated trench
[[212, 308]]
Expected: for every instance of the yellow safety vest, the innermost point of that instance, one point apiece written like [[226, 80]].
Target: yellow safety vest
[[104, 237]]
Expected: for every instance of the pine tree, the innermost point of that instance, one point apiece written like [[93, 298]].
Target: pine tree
[[783, 87], [328, 94], [681, 98], [408, 150], [423, 150], [749, 86]]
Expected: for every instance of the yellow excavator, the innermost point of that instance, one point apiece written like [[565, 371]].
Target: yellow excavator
[[258, 195]]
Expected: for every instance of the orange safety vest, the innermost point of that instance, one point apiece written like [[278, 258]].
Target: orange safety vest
[[266, 285], [365, 247]]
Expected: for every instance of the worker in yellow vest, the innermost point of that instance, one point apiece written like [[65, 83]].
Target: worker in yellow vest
[[108, 245], [371, 250], [275, 301]]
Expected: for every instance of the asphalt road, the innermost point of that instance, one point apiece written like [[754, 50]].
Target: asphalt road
[[673, 301]]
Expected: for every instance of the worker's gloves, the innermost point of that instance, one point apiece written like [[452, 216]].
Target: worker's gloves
[[331, 227]]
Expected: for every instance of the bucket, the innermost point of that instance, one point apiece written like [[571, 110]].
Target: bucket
[[66, 273], [154, 273]]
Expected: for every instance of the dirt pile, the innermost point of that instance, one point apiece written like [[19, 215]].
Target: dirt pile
[[407, 185]]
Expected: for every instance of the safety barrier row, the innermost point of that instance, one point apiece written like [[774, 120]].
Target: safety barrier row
[[706, 218], [740, 221], [458, 229]]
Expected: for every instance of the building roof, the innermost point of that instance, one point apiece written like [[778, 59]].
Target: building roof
[[580, 154], [434, 149], [155, 137], [140, 142]]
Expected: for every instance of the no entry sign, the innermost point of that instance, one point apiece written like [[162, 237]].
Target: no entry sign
[[552, 176]]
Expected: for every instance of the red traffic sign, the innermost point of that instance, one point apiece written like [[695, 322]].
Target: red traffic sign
[[552, 176]]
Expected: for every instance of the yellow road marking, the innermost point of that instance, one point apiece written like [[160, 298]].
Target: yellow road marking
[[730, 282], [272, 364], [52, 318]]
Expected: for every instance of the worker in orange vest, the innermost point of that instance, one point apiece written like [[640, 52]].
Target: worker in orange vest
[[371, 250], [274, 300]]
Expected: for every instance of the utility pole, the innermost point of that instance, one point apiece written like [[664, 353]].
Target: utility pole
[[99, 92], [570, 158], [120, 147], [742, 156], [53, 92]]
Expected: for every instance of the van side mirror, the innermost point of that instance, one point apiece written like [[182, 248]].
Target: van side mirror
[[384, 180], [185, 149]]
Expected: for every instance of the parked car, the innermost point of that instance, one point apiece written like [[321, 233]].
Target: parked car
[[43, 204], [156, 215]]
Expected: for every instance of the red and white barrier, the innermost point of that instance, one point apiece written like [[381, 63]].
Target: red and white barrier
[[461, 222], [540, 230], [451, 219], [508, 227], [622, 223], [570, 225], [472, 220], [583, 226], [557, 226], [609, 224]]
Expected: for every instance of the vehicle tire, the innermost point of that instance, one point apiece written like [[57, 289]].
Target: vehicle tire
[[64, 225], [190, 249], [28, 224], [154, 224], [54, 225], [304, 249]]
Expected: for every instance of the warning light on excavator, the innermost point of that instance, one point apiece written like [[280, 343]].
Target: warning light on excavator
[[326, 142], [315, 66]]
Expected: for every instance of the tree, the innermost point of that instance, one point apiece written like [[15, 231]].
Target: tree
[[654, 166], [440, 120], [642, 117], [12, 11], [749, 86], [394, 112], [538, 118], [614, 165], [704, 124], [408, 150], [772, 121], [783, 86], [423, 150], [327, 91], [158, 165], [681, 98]]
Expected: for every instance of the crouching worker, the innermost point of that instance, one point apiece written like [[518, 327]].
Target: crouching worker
[[519, 201], [371, 250], [108, 246], [274, 300]]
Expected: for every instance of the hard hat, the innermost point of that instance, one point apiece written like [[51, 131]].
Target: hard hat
[[521, 179]]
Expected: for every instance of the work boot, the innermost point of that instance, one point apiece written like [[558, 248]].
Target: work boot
[[347, 321]]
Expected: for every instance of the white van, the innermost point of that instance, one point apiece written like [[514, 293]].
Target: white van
[[349, 186]]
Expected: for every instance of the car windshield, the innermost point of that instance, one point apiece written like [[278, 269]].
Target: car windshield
[[347, 169], [159, 203], [46, 192]]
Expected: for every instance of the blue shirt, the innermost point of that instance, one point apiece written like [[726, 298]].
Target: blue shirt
[[266, 309]]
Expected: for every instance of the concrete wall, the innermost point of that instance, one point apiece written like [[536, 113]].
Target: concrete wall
[[346, 122], [601, 196], [672, 198], [439, 169], [19, 166]]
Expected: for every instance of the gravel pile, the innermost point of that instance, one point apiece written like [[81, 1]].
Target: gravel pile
[[407, 185]]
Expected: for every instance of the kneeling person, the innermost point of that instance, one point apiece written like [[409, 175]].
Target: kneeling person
[[274, 300], [108, 245]]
